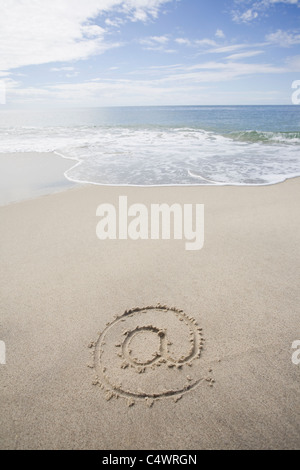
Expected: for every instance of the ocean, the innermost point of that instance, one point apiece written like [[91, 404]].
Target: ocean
[[153, 146]]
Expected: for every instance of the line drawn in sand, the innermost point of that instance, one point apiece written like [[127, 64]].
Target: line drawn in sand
[[157, 355]]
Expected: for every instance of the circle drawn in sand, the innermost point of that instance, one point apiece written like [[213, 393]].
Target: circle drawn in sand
[[149, 354]]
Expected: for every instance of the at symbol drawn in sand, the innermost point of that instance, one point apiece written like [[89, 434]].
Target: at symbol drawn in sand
[[148, 354]]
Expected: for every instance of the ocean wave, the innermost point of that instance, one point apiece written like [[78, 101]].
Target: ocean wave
[[289, 138], [163, 156]]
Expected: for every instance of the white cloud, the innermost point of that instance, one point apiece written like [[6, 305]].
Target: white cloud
[[219, 72], [183, 41], [40, 32], [290, 2], [170, 81], [234, 47], [62, 69], [140, 10], [72, 75], [244, 55], [284, 38], [226, 49], [160, 39], [195, 42], [115, 23], [205, 42], [154, 40], [157, 43], [257, 9], [167, 84], [220, 34], [245, 17]]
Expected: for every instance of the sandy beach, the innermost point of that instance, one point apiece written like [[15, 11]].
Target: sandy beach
[[18, 180], [60, 285]]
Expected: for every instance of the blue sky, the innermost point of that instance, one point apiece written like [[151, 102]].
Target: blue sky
[[148, 52]]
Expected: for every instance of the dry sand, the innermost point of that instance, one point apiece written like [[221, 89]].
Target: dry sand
[[60, 286]]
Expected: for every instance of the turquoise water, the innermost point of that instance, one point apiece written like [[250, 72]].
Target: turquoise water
[[187, 145]]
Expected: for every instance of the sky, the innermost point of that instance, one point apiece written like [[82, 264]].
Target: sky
[[73, 53]]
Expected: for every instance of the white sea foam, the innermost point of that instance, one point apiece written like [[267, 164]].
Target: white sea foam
[[163, 156]]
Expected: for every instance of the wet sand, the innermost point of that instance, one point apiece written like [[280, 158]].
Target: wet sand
[[29, 175]]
